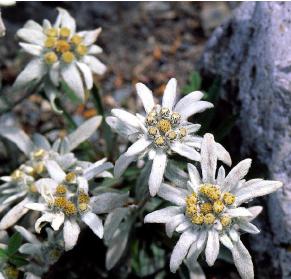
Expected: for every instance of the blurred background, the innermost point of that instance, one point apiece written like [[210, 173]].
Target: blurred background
[[148, 42]]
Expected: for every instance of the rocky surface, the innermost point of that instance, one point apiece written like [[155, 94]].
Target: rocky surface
[[251, 53]]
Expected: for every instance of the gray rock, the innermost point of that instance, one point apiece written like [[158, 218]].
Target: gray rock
[[251, 53]]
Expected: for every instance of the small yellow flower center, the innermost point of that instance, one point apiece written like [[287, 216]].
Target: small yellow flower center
[[81, 50], [70, 208], [50, 42], [208, 205], [171, 135], [61, 190], [60, 202], [218, 206], [165, 112], [65, 32], [210, 191], [225, 221], [68, 57], [228, 198], [83, 198], [160, 141], [175, 117], [51, 32], [164, 125], [153, 131], [50, 57], [62, 46], [83, 207], [71, 177], [197, 219], [76, 40], [209, 219], [151, 120]]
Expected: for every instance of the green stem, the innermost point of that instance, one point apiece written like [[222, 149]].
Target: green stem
[[71, 122]]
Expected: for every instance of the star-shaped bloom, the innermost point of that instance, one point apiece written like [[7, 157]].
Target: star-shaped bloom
[[163, 131], [19, 188], [210, 211], [60, 55], [66, 201]]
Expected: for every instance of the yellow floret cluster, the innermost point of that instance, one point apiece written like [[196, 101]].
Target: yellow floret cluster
[[60, 45], [163, 126], [208, 205], [62, 203]]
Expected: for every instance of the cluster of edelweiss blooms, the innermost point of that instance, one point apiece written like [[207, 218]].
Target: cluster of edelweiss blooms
[[207, 203]]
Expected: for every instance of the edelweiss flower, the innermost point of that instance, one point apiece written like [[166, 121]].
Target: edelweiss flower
[[66, 201], [163, 130], [61, 54], [209, 211], [20, 185], [42, 254]]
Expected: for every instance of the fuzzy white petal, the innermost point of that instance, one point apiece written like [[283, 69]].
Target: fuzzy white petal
[[146, 96], [72, 78], [163, 215], [106, 202], [13, 215], [208, 159], [87, 74], [71, 234], [212, 247], [138, 147], [222, 154], [66, 20], [31, 48], [122, 163], [31, 36], [169, 96], [257, 189], [181, 249], [242, 260], [185, 151], [33, 71], [126, 117], [194, 175], [173, 194], [248, 227], [95, 64], [90, 37], [188, 100], [94, 222], [174, 222], [55, 171], [157, 172], [84, 132], [236, 174], [194, 108]]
